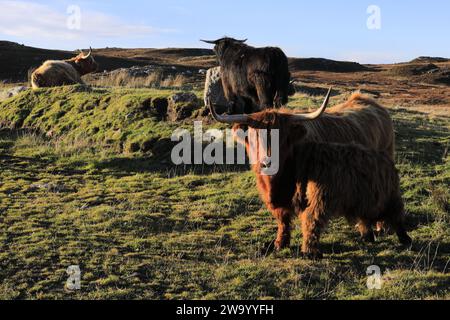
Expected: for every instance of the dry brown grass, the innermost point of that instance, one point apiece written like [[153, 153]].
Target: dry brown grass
[[156, 79]]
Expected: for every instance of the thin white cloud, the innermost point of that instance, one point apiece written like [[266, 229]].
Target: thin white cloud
[[27, 19]]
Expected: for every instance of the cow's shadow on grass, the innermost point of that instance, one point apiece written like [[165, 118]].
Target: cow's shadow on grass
[[420, 140], [163, 163], [422, 255], [126, 166], [387, 254], [386, 251]]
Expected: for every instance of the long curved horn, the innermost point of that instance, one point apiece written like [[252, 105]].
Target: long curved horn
[[232, 119], [89, 54], [242, 41], [316, 114], [209, 41]]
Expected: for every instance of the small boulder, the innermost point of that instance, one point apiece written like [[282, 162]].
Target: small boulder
[[11, 92], [182, 105], [214, 90]]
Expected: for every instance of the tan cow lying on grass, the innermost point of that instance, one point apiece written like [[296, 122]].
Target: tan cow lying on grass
[[54, 73]]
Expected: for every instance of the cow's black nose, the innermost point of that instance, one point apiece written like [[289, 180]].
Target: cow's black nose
[[266, 163]]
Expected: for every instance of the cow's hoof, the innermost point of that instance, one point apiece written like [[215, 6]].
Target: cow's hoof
[[282, 244], [368, 237], [406, 242]]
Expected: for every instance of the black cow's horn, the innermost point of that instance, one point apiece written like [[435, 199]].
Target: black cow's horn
[[209, 41], [232, 119], [89, 54], [316, 114], [242, 41]]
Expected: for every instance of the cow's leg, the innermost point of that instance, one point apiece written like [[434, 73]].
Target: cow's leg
[[380, 228], [366, 231], [394, 217], [284, 217], [229, 96], [313, 222], [236, 105], [264, 90]]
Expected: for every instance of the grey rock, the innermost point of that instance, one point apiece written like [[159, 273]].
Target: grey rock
[[214, 90], [213, 87], [11, 92]]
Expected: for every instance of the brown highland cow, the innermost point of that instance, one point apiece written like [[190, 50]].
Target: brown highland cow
[[318, 181], [54, 73]]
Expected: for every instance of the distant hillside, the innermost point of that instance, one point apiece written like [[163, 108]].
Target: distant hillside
[[430, 60], [16, 60]]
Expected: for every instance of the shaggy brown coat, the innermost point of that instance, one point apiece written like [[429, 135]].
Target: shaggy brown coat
[[319, 180], [359, 120], [352, 182], [54, 73], [309, 180]]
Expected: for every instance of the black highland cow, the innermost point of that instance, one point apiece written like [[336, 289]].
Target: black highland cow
[[260, 76]]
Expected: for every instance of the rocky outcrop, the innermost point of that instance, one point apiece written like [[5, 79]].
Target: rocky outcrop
[[182, 105]]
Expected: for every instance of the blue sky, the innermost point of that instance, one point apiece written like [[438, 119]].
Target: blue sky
[[319, 28]]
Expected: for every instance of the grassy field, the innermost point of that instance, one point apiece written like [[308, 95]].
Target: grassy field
[[74, 190]]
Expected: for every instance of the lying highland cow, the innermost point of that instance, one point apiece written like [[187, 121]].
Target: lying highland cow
[[55, 73], [318, 180]]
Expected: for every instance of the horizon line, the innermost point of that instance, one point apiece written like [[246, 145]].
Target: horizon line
[[200, 48]]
